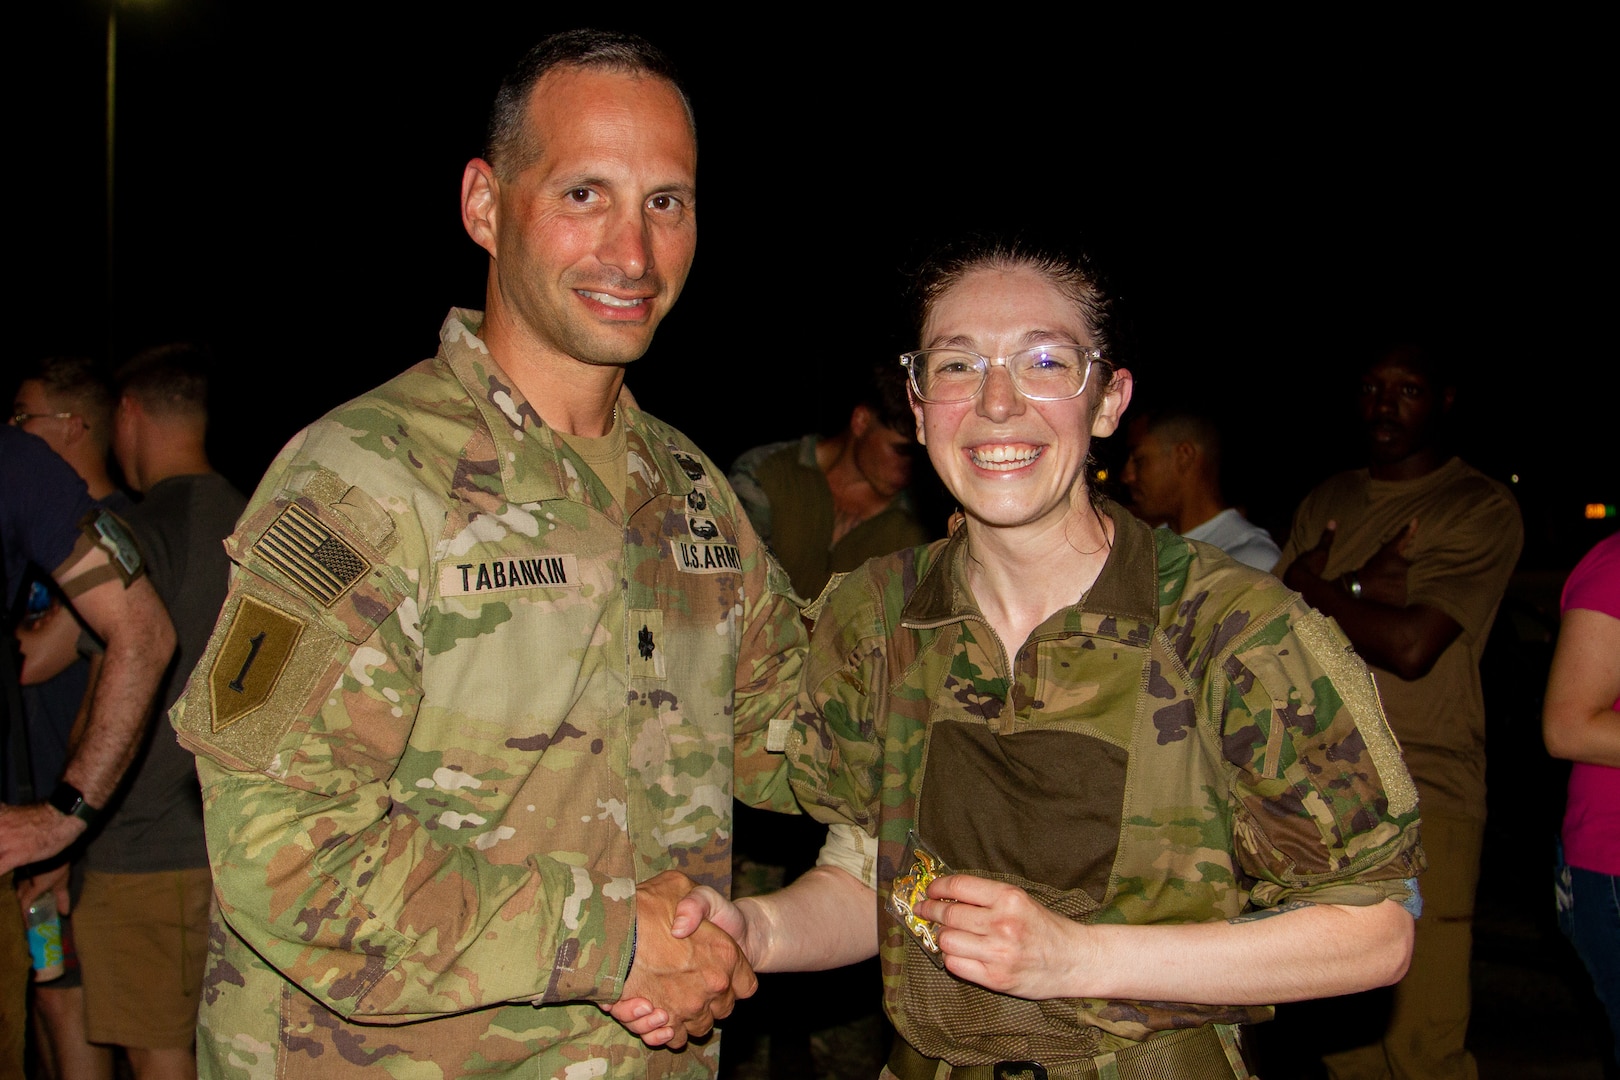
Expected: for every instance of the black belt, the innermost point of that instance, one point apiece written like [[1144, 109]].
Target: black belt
[[1194, 1054]]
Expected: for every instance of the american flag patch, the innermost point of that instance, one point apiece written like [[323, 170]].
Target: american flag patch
[[324, 565]]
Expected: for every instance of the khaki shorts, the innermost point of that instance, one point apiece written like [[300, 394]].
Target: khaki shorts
[[143, 940], [15, 970]]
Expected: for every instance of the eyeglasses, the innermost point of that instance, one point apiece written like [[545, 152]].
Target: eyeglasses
[[20, 417], [1042, 373]]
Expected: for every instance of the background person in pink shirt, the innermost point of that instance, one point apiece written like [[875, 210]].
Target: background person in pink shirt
[[1579, 722]]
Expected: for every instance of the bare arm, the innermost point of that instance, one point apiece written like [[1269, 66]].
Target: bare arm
[[825, 919], [49, 645], [998, 937], [139, 640], [1578, 720]]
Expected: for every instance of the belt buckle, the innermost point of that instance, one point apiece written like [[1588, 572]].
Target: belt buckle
[[1018, 1070]]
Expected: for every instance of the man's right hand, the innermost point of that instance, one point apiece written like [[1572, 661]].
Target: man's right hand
[[694, 980], [640, 1016]]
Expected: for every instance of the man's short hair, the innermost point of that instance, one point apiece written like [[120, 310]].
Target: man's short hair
[[886, 397], [168, 381], [509, 144], [1434, 364], [1173, 424], [78, 385]]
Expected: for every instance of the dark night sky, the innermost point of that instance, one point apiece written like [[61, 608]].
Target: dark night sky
[[1270, 197]]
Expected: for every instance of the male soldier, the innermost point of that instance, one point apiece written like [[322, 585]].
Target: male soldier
[[493, 639], [1410, 556], [142, 923], [826, 505], [1173, 473], [47, 517]]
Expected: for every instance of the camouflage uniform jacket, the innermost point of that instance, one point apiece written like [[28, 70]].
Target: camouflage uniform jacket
[[1186, 743], [459, 701]]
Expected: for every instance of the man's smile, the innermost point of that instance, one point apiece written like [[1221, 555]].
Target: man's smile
[[613, 301]]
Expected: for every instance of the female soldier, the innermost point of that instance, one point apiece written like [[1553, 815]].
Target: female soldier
[[1127, 751]]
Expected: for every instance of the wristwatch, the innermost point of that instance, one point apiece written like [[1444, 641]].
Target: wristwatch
[[69, 800]]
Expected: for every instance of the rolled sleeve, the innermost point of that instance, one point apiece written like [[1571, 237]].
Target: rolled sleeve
[[1326, 809]]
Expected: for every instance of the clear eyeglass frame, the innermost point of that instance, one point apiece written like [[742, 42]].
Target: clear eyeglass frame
[[1015, 363], [19, 418]]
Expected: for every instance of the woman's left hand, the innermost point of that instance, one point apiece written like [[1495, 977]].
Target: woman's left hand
[[997, 936]]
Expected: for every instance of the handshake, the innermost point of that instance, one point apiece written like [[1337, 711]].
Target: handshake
[[696, 951], [691, 963]]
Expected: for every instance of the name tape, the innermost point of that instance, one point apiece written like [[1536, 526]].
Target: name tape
[[504, 575]]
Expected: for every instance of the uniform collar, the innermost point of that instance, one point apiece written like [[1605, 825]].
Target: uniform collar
[[534, 465], [1120, 604]]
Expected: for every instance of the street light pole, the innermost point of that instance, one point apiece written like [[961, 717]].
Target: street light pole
[[112, 127]]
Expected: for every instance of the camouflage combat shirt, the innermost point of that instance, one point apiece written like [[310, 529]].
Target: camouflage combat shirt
[[459, 701], [1185, 744]]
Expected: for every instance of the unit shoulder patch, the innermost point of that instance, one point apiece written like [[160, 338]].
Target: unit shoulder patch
[[254, 652], [268, 657]]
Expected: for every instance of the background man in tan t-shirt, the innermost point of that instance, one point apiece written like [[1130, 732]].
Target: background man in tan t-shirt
[[1411, 556]]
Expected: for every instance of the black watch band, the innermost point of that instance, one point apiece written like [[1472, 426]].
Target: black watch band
[[69, 800]]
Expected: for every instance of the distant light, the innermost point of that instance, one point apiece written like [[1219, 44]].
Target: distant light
[[1599, 511], [1514, 479], [1102, 476]]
